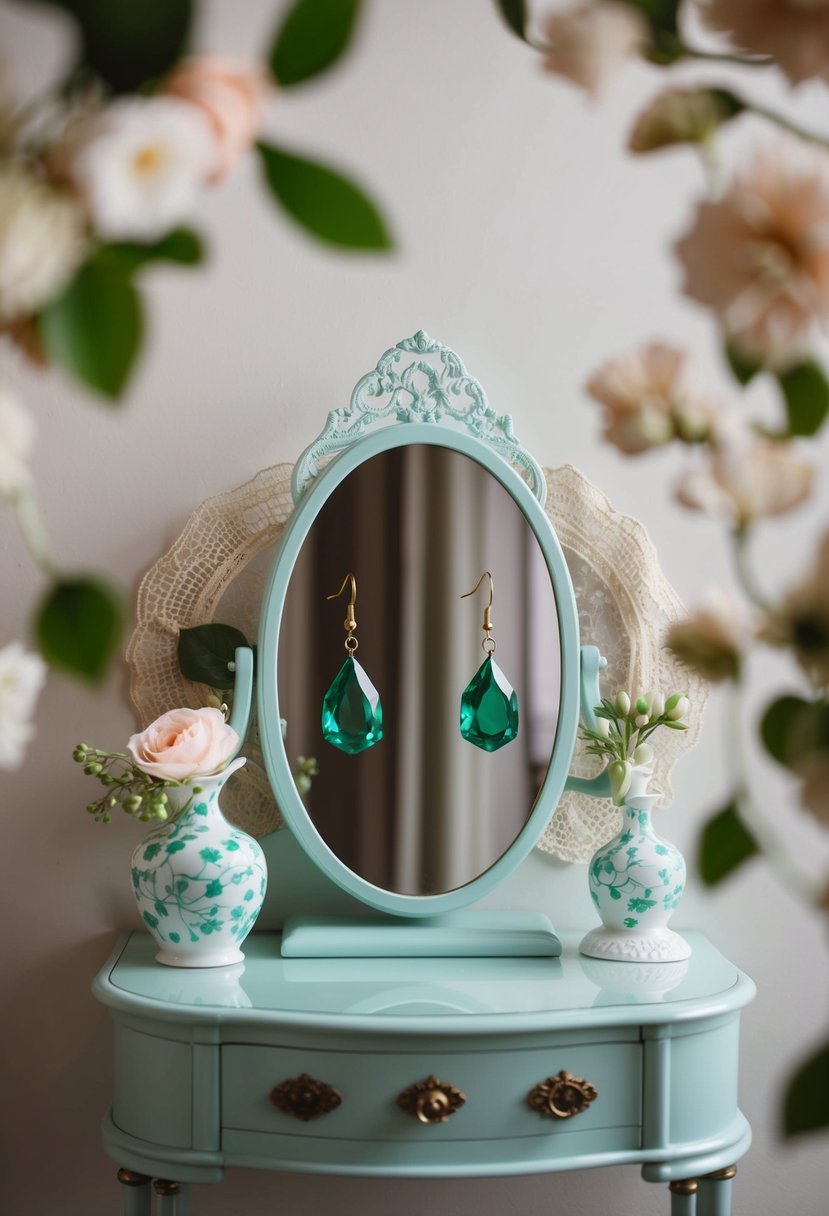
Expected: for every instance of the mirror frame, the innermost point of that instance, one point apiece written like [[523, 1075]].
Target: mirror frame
[[273, 745]]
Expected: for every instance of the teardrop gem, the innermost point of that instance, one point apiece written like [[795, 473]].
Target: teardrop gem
[[352, 716], [489, 708]]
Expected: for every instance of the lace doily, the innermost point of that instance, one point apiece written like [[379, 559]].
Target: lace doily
[[217, 568]]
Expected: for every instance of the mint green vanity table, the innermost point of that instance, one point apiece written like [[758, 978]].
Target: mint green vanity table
[[421, 1036], [200, 1056]]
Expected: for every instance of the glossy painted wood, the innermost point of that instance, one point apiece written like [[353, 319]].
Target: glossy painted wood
[[471, 933], [197, 1055]]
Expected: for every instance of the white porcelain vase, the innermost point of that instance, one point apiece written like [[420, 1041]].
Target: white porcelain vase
[[199, 882], [636, 881]]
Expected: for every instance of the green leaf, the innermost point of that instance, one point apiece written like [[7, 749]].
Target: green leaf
[[323, 202], [793, 729], [806, 391], [724, 845], [806, 1101], [94, 329], [313, 36], [78, 626], [130, 42], [514, 13], [125, 257], [663, 18], [743, 369], [205, 651]]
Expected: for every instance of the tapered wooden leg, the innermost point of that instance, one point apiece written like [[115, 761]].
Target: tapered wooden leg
[[135, 1189], [715, 1193], [172, 1198], [683, 1196]]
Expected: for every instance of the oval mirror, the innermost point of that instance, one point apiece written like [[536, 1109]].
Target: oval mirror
[[424, 819]]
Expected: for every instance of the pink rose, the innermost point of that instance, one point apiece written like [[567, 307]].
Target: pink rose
[[232, 94], [184, 743]]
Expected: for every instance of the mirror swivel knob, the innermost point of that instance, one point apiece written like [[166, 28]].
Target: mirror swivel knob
[[304, 1098], [431, 1101], [562, 1096]]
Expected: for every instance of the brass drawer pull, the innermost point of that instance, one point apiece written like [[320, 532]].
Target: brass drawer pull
[[431, 1101], [562, 1096], [304, 1098]]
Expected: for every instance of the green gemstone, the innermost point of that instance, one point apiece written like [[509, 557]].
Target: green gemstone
[[489, 708], [352, 716]]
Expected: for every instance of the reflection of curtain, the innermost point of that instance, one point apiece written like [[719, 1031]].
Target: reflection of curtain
[[357, 531], [453, 530], [424, 810]]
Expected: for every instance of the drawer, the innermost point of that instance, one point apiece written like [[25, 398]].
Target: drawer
[[495, 1084]]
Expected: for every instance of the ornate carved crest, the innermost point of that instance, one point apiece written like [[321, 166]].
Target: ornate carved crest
[[419, 380]]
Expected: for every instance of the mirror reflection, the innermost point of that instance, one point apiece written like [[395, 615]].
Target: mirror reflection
[[424, 808]]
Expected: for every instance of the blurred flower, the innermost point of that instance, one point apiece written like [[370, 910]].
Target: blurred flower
[[814, 792], [713, 640], [42, 242], [589, 42], [682, 116], [21, 679], [745, 478], [759, 257], [648, 399], [802, 620], [140, 164], [232, 94], [17, 440], [795, 32]]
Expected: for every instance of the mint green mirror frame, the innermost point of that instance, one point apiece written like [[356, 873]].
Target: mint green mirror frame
[[273, 746]]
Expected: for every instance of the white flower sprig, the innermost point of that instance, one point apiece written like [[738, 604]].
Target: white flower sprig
[[622, 727]]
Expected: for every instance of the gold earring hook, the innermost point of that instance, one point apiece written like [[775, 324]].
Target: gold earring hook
[[350, 622], [488, 643]]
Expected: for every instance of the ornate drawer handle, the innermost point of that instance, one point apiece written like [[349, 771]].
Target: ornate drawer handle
[[562, 1096], [304, 1098], [431, 1101]]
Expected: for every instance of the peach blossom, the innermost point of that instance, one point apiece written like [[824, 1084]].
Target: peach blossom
[[712, 640], [648, 399], [759, 257], [744, 478], [184, 743], [589, 42], [794, 32], [232, 94]]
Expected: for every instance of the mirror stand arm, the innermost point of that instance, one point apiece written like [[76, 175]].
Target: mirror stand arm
[[592, 662], [242, 695]]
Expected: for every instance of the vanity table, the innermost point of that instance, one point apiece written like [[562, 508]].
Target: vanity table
[[424, 1068], [423, 1036]]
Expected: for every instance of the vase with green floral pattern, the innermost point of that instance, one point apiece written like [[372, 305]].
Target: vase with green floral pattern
[[199, 882], [636, 882]]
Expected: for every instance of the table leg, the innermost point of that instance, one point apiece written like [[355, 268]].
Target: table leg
[[683, 1196], [172, 1198], [136, 1192], [715, 1192]]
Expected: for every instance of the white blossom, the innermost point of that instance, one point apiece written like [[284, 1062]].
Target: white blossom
[[21, 679], [140, 164], [42, 242]]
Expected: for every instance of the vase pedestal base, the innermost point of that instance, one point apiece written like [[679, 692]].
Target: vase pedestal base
[[626, 945], [205, 958]]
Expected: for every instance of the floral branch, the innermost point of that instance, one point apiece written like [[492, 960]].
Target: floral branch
[[623, 725]]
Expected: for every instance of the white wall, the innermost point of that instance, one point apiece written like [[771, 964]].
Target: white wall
[[532, 244]]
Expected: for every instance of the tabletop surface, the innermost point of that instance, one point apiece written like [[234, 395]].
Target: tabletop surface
[[457, 993]]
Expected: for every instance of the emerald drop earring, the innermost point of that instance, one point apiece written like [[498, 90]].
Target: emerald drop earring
[[352, 716], [489, 706]]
